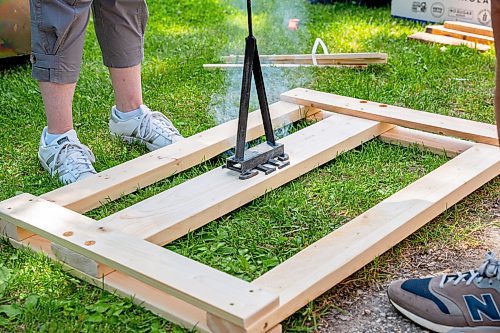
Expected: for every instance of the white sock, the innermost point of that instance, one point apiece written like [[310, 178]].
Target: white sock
[[128, 115], [49, 138]]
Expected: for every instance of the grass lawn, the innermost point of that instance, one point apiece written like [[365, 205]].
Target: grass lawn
[[36, 295]]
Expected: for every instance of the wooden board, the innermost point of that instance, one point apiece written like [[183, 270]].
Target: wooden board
[[437, 144], [398, 135], [325, 263], [425, 121], [322, 59], [240, 66], [229, 298], [156, 301], [469, 27], [190, 205], [165, 308], [441, 30], [143, 171], [13, 232], [445, 40], [189, 293]]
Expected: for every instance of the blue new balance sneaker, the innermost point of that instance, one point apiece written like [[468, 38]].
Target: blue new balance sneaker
[[463, 302]]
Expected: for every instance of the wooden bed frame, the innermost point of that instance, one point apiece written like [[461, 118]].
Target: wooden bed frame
[[122, 253]]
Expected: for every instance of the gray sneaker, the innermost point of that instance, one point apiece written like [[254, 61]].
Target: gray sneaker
[[150, 128], [66, 157], [463, 302]]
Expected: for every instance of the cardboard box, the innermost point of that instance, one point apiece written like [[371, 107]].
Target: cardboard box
[[471, 11]]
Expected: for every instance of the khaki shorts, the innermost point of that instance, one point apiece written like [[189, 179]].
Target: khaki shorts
[[58, 32]]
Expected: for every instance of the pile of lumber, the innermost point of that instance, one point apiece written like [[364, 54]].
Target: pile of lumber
[[358, 60], [458, 33]]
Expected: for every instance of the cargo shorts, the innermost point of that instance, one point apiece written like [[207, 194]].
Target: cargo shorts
[[58, 31]]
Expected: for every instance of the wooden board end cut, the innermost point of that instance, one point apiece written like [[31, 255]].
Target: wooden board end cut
[[469, 27], [441, 30], [445, 40]]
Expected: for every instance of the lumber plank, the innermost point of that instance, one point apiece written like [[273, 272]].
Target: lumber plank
[[190, 205], [13, 232], [437, 144], [445, 40], [145, 170], [300, 279], [80, 262], [216, 292], [425, 121], [240, 66], [441, 30], [156, 301], [322, 59], [469, 27]]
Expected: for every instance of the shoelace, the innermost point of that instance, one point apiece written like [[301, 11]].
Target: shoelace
[[490, 269], [77, 153], [150, 120]]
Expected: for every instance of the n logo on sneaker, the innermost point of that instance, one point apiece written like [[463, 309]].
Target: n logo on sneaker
[[486, 305]]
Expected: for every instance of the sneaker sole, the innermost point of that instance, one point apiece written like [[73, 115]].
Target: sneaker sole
[[442, 328], [44, 165], [131, 139]]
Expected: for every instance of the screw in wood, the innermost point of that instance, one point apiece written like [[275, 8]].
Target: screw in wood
[[89, 243], [68, 234]]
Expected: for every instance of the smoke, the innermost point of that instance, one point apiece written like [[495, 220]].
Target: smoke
[[273, 37]]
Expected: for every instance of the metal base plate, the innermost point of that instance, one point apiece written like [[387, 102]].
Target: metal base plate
[[264, 157]]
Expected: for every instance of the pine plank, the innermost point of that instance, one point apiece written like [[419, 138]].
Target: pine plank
[[322, 59], [156, 301], [190, 205], [301, 278], [425, 121], [437, 144], [445, 40], [469, 27], [218, 293], [441, 30], [277, 65], [145, 170], [13, 232]]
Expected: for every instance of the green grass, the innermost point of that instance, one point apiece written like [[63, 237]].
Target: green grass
[[36, 295]]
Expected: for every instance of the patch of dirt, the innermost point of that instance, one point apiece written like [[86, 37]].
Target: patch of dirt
[[366, 309]]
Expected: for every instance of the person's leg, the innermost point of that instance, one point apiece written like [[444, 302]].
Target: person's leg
[[58, 29], [123, 50], [122, 47], [495, 13], [57, 34], [58, 100], [127, 87]]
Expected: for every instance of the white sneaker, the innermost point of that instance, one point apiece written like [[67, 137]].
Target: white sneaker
[[66, 157], [151, 128]]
